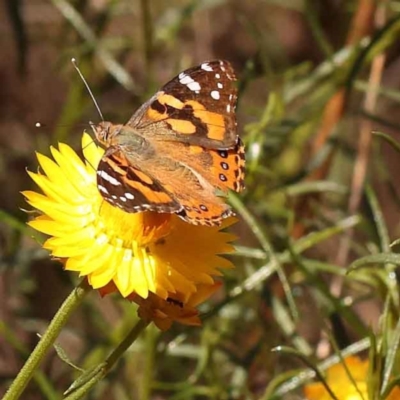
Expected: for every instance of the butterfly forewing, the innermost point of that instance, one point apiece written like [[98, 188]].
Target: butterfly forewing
[[197, 107], [129, 188]]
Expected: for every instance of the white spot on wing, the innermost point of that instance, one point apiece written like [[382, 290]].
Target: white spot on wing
[[215, 95], [108, 178], [206, 67], [220, 85], [217, 76], [228, 108], [102, 189], [189, 82], [185, 79], [129, 196], [194, 86], [122, 198]]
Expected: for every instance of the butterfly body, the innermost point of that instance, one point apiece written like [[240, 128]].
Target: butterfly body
[[179, 152]]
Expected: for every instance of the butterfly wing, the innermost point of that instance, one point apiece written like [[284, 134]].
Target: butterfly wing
[[196, 107], [228, 167], [161, 184], [225, 170], [193, 150], [198, 178], [128, 187]]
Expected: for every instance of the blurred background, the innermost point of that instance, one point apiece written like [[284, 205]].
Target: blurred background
[[319, 112]]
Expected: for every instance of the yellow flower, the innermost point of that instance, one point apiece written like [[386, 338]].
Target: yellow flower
[[139, 253], [342, 386]]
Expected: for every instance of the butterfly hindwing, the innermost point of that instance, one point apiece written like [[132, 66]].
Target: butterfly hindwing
[[228, 167]]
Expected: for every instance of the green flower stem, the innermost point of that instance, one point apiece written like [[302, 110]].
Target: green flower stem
[[68, 307], [151, 340], [101, 371]]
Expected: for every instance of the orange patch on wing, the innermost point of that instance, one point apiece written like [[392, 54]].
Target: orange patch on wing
[[161, 197], [122, 161], [143, 177], [116, 166], [155, 115], [195, 105], [215, 122], [182, 126], [216, 132], [232, 167], [213, 215], [151, 195], [195, 149], [210, 118], [172, 101], [168, 188]]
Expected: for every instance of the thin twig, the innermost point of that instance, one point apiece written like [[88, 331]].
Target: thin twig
[[364, 146], [335, 107]]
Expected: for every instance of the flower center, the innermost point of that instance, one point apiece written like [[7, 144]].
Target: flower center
[[123, 228]]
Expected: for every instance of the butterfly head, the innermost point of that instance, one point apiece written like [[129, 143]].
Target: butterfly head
[[105, 132]]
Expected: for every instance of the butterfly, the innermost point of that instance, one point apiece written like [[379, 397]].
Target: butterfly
[[180, 152]]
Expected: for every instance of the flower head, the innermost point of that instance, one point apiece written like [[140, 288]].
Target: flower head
[[163, 312], [139, 253], [344, 387]]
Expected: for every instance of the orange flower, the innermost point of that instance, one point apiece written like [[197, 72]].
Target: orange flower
[[175, 308]]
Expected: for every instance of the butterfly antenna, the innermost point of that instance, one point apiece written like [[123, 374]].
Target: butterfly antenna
[[73, 60]]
